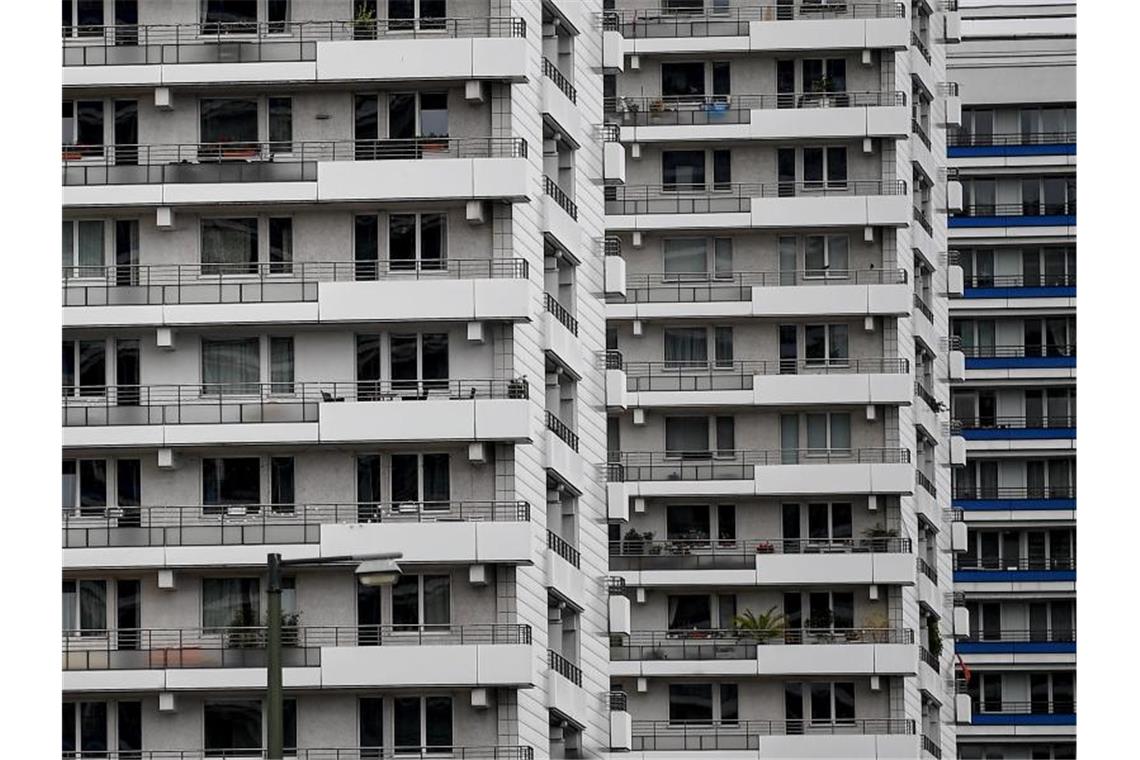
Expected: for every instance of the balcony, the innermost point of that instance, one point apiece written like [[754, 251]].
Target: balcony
[[168, 415], [1036, 713], [855, 738], [498, 752], [1009, 641], [1007, 356], [748, 205], [1014, 569], [1021, 286], [768, 116], [310, 292], [1016, 215], [323, 657], [931, 747], [294, 51], [422, 168], [963, 144], [1006, 427], [862, 380], [1014, 498]]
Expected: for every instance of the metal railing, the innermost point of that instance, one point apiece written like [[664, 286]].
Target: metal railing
[[927, 569], [735, 464], [923, 308], [618, 701], [920, 46], [737, 644], [1067, 280], [253, 41], [689, 110], [611, 246], [969, 491], [920, 131], [245, 646], [562, 548], [258, 282], [961, 138], [1023, 636], [256, 524], [1021, 563], [925, 482], [663, 22], [613, 359], [726, 735], [712, 287], [1024, 209], [931, 747], [1015, 351], [560, 312], [562, 430], [927, 396], [738, 375], [560, 196], [551, 72], [641, 553], [236, 403], [923, 220], [1018, 422], [1032, 707], [925, 655], [564, 667], [321, 753], [733, 197]]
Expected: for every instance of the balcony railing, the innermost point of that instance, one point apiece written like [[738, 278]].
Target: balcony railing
[[260, 161], [259, 282], [926, 656], [736, 644], [560, 312], [1067, 280], [727, 735], [245, 646], [257, 524], [304, 753], [562, 548], [564, 667], [931, 747], [927, 396], [1007, 351], [551, 72], [736, 554], [736, 464], [236, 403], [920, 46], [962, 138], [1025, 209], [924, 481], [733, 197], [1033, 707], [972, 492], [923, 308], [562, 430], [709, 287], [560, 196], [738, 375], [689, 110], [612, 246], [1014, 564], [256, 42], [1018, 422], [662, 22], [1023, 636], [618, 701], [923, 220], [919, 130], [613, 359]]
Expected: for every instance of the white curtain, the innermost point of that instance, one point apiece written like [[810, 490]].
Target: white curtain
[[231, 366]]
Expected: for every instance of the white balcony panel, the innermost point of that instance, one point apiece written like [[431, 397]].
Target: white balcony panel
[[474, 665], [613, 50], [728, 220], [955, 280], [140, 75], [188, 193], [613, 162], [422, 179], [120, 316], [567, 580], [1022, 733], [617, 502], [957, 365], [559, 107], [564, 344], [836, 659], [457, 542], [621, 730], [616, 395], [190, 435], [857, 122], [188, 679], [567, 698], [112, 195], [821, 747], [840, 33], [815, 569], [832, 211], [831, 389], [1015, 587], [476, 58], [235, 73], [619, 614], [424, 299], [567, 463], [782, 301], [443, 420], [957, 450], [649, 46], [236, 313], [682, 668], [966, 307], [819, 479], [928, 592]]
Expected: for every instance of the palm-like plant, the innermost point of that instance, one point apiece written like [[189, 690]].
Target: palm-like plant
[[761, 627]]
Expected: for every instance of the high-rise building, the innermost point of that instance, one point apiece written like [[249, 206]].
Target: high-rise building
[[478, 281], [1013, 314]]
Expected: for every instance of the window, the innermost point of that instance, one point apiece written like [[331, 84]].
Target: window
[[411, 115], [825, 345], [419, 363], [722, 341], [281, 488], [828, 433], [231, 365], [979, 196], [725, 436], [417, 241], [690, 612], [229, 246], [822, 75], [85, 607], [280, 245], [679, 80], [237, 16], [281, 364], [690, 703], [83, 18], [280, 124], [687, 521], [230, 481], [232, 725], [83, 128], [683, 169], [366, 246], [685, 258], [722, 169], [371, 726], [832, 702], [824, 166], [683, 6], [422, 723], [83, 248], [422, 601], [729, 703], [826, 256], [686, 347], [420, 479], [228, 120], [84, 368], [687, 437], [829, 522], [85, 729], [230, 602], [85, 486], [405, 14], [977, 127]]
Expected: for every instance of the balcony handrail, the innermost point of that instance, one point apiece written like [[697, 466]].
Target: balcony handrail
[[963, 138], [249, 524], [1022, 635], [999, 564], [614, 359], [665, 22], [1029, 707], [662, 105], [923, 308], [708, 637], [497, 752], [926, 656], [1066, 280], [923, 220], [920, 131], [612, 245], [1023, 209], [917, 42], [177, 648], [927, 569], [761, 189], [1044, 420], [706, 732], [560, 196], [687, 375], [562, 548], [735, 464], [555, 75], [560, 312], [618, 701], [711, 286], [1018, 351], [562, 430], [925, 483], [971, 492], [564, 667], [932, 747], [749, 547]]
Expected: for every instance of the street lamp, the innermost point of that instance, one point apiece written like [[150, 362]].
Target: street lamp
[[371, 570]]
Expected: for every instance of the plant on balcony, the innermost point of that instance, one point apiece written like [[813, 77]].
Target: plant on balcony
[[639, 543], [878, 536], [765, 547], [767, 625], [364, 23], [933, 637], [244, 631], [820, 625]]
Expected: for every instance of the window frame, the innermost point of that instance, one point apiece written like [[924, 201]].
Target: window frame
[[419, 626], [267, 386], [261, 24], [76, 269], [418, 263], [826, 273], [264, 265], [420, 504]]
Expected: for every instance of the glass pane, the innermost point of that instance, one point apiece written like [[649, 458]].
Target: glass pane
[[686, 435], [837, 259], [405, 601], [92, 484], [681, 79], [371, 722], [401, 239], [722, 257], [690, 703], [433, 240], [229, 246], [686, 346], [231, 366], [841, 431], [235, 480], [92, 727], [433, 114], [437, 477], [844, 701], [67, 259], [820, 702], [686, 522], [281, 480], [281, 124], [685, 256], [837, 342], [92, 367], [405, 478], [70, 484], [437, 600], [228, 120], [843, 609], [816, 431], [815, 343], [683, 169], [435, 357], [91, 259], [815, 255], [813, 166], [93, 605], [402, 116], [437, 717], [281, 364], [280, 245], [232, 725], [407, 724]]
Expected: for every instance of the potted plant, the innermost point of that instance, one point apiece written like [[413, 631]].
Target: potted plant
[[657, 106], [767, 625], [819, 92], [820, 625], [876, 627], [878, 537], [765, 547], [364, 23]]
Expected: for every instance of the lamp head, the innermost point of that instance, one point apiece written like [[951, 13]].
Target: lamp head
[[378, 572]]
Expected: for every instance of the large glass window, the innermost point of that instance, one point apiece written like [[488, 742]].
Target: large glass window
[[690, 703], [687, 436], [280, 245], [230, 481], [422, 601], [683, 169], [420, 479], [84, 367], [825, 345], [85, 607], [281, 364], [85, 486], [232, 725], [231, 365], [686, 347], [423, 724], [417, 241], [229, 246], [682, 79], [230, 602], [229, 16], [828, 432], [83, 249], [228, 120], [685, 258], [826, 256]]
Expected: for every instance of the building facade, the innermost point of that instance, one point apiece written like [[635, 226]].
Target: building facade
[[627, 323], [1014, 319]]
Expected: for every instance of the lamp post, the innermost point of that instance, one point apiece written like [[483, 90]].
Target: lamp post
[[371, 570]]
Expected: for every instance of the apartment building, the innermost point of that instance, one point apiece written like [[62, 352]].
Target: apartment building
[[331, 282], [1013, 316], [777, 379]]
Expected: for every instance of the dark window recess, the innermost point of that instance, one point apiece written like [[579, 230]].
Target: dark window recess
[[232, 725], [230, 481]]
